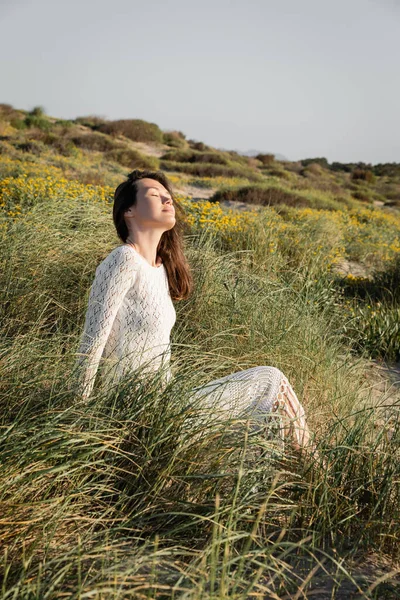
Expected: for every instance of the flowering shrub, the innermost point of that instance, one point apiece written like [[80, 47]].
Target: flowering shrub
[[303, 235]]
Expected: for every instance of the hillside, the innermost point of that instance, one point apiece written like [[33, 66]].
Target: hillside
[[112, 147], [296, 265]]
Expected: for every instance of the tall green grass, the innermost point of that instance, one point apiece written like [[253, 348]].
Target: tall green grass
[[138, 493]]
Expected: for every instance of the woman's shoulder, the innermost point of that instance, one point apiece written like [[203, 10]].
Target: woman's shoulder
[[120, 258]]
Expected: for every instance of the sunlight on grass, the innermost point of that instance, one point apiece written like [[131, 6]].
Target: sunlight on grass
[[135, 493]]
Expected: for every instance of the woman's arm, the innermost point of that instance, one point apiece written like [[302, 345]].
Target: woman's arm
[[113, 278]]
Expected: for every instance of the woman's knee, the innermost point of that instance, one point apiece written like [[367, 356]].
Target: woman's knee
[[272, 373], [268, 369]]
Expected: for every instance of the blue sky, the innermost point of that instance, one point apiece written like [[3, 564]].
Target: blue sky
[[302, 79]]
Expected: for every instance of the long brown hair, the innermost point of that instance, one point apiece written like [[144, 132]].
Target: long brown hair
[[170, 247]]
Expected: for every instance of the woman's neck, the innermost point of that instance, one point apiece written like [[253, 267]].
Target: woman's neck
[[146, 252]]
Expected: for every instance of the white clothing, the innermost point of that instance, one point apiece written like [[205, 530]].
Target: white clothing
[[128, 322]]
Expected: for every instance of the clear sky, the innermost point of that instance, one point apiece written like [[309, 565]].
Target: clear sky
[[300, 78]]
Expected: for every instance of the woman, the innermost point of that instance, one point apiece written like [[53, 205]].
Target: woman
[[130, 312]]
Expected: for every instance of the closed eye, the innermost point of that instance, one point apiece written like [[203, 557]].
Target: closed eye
[[157, 195]]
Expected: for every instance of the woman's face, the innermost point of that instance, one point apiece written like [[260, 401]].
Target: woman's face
[[154, 205]]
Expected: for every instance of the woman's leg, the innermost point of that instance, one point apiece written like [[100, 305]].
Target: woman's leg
[[258, 391]]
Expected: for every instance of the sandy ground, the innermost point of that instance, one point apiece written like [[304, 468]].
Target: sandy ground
[[150, 149], [194, 192], [364, 571], [355, 268], [383, 380]]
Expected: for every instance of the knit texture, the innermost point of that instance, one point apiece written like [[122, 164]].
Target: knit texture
[[251, 391], [128, 322]]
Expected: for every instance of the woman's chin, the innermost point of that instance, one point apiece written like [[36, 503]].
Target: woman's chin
[[170, 224]]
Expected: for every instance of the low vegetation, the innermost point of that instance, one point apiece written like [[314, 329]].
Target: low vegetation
[[134, 494]]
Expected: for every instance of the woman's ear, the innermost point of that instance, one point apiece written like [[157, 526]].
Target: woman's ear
[[129, 212]]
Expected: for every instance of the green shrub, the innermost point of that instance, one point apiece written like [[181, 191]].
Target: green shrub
[[133, 129], [175, 139], [201, 183], [320, 161], [292, 167], [363, 175], [39, 122], [241, 159], [362, 195], [132, 159], [92, 121], [64, 146], [314, 169], [94, 141], [374, 327], [4, 147], [201, 146], [7, 111], [210, 170], [32, 146], [59, 143], [18, 123], [381, 169], [190, 156], [347, 201], [375, 330], [387, 169], [37, 111], [345, 167], [266, 159], [276, 171], [264, 194], [65, 123], [392, 195], [261, 195]]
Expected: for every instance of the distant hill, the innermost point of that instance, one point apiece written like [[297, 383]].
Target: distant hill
[[255, 152], [97, 151]]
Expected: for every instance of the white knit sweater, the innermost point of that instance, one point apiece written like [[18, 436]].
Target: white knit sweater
[[128, 320], [128, 323]]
